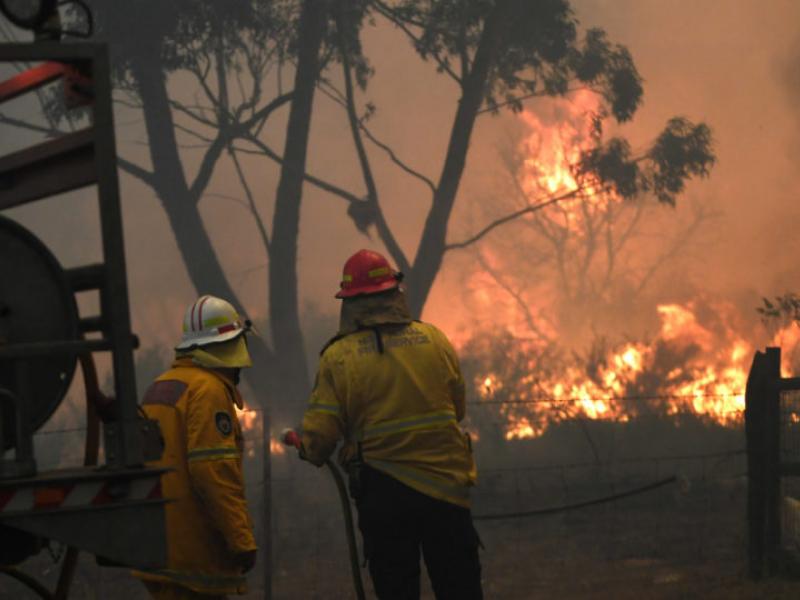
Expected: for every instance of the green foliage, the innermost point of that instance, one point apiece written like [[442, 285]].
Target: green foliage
[[680, 152], [683, 150], [349, 17], [612, 164], [783, 309], [540, 52], [183, 31], [610, 68]]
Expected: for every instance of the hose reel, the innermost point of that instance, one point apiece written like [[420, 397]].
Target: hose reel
[[37, 306]]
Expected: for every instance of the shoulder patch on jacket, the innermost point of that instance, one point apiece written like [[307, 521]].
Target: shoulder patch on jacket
[[223, 422], [166, 392]]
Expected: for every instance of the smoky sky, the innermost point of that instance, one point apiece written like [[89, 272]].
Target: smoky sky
[[732, 64]]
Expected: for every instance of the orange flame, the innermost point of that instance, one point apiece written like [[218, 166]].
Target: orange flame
[[691, 365], [250, 420], [708, 382]]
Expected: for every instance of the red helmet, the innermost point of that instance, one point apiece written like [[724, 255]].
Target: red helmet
[[367, 272]]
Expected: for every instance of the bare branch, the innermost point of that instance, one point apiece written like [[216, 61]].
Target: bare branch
[[194, 134], [462, 51], [524, 97], [396, 160], [133, 169], [352, 118], [674, 249], [262, 231], [207, 165], [381, 225], [233, 199], [264, 150], [21, 124], [224, 116], [590, 244], [261, 115], [507, 219], [245, 104], [388, 13], [127, 104], [196, 116], [201, 74], [335, 96], [515, 295]]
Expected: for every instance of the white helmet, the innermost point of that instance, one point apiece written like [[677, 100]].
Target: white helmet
[[211, 320]]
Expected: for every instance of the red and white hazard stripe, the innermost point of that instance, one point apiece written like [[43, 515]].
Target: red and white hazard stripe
[[82, 494], [198, 308]]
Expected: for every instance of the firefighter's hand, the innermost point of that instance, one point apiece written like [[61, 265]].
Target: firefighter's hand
[[246, 560]]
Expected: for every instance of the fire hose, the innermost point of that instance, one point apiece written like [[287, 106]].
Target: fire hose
[[576, 505], [291, 438]]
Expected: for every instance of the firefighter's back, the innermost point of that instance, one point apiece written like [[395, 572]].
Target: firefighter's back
[[403, 395]]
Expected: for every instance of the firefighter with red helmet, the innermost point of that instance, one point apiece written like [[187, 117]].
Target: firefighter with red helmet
[[391, 388], [210, 543]]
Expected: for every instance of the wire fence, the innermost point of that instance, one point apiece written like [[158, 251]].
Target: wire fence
[[545, 399], [657, 511]]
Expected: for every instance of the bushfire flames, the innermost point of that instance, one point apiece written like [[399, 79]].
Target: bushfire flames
[[691, 365], [686, 368], [696, 363]]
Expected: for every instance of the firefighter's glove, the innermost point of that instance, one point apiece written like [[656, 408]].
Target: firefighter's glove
[[246, 560]]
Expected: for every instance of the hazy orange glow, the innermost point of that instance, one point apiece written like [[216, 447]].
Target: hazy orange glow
[[711, 362]]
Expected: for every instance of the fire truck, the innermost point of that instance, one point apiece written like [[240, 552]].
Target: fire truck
[[112, 510]]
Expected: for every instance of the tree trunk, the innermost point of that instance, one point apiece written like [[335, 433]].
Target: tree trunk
[[431, 249], [287, 339], [197, 251], [172, 189], [171, 186]]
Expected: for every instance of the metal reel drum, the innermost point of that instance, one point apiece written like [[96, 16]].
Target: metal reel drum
[[36, 305]]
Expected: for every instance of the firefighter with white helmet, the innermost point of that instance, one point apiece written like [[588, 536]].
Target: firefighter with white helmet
[[391, 387], [209, 530]]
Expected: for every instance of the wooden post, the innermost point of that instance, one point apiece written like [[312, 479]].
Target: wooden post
[[754, 422], [772, 467], [266, 548]]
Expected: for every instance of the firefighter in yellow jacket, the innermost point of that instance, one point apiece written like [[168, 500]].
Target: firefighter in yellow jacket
[[391, 388], [210, 543]]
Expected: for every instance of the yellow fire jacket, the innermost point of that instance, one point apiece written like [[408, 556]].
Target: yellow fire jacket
[[207, 520], [396, 394]]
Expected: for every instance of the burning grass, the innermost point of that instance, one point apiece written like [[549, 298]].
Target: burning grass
[[690, 366]]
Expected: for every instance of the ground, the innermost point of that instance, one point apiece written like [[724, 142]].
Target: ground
[[684, 540]]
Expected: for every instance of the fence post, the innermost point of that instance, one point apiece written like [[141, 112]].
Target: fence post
[[754, 422], [267, 549], [772, 470]]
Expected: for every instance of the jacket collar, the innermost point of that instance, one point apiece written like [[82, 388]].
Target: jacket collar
[[364, 312], [187, 363]]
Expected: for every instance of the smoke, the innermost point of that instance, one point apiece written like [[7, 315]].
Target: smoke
[[734, 67]]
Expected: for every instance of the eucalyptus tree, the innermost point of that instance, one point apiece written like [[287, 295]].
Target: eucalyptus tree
[[501, 53]]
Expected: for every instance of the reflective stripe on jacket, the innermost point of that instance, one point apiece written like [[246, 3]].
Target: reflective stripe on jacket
[[401, 406], [207, 521]]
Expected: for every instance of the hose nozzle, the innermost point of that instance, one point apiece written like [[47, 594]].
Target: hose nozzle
[[290, 438]]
